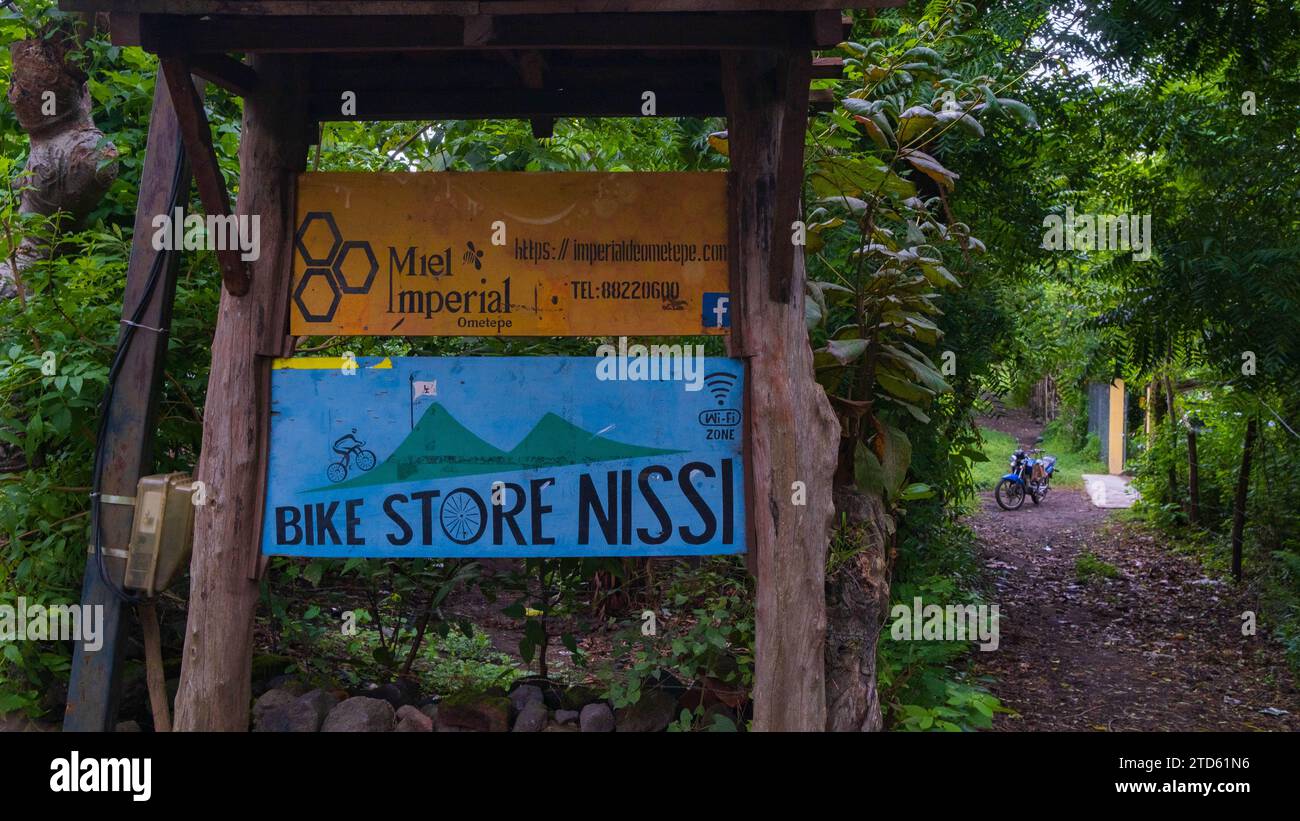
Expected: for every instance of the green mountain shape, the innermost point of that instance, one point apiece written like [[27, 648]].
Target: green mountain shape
[[554, 441], [440, 447]]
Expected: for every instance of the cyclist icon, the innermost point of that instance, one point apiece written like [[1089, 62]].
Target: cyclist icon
[[348, 447]]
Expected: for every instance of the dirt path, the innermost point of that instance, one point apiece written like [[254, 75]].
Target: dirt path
[[1159, 647]]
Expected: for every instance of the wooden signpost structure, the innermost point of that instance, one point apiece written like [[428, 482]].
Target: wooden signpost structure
[[297, 63]]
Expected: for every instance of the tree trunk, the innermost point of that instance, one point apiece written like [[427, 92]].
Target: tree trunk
[[791, 430], [857, 602], [215, 679], [69, 166], [1193, 480], [1173, 424], [1239, 502]]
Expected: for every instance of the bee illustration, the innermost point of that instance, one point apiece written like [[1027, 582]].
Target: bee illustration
[[473, 256]]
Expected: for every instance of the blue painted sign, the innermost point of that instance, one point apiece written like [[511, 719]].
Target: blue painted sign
[[617, 455]]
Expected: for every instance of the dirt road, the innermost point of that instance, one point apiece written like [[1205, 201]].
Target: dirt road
[[1157, 647]]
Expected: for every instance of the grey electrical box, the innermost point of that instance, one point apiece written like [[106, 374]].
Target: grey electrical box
[[162, 533]]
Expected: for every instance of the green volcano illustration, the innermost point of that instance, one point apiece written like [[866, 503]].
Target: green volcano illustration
[[440, 447]]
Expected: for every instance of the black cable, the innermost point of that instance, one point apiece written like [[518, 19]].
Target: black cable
[[160, 261]]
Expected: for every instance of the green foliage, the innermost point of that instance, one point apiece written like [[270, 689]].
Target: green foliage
[[704, 637], [928, 685]]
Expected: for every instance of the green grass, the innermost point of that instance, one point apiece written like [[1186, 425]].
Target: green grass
[[998, 447], [1070, 465], [1088, 567]]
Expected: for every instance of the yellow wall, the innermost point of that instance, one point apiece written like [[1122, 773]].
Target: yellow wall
[[1115, 428]]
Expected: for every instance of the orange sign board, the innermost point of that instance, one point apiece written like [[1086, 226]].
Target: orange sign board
[[512, 254]]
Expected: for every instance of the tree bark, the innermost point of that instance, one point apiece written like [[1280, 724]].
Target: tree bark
[[857, 602], [215, 684], [1239, 502], [791, 431], [1193, 480], [69, 166]]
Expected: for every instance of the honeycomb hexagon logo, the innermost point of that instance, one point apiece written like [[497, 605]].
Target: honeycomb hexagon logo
[[317, 287], [333, 266], [318, 238], [355, 264]]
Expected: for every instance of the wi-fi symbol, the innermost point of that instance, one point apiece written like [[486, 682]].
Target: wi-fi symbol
[[720, 385]]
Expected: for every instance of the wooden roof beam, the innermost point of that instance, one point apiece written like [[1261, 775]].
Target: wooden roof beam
[[273, 8], [225, 71], [722, 31]]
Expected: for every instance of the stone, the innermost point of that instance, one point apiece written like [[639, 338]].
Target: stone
[[560, 728], [287, 683], [475, 712], [430, 710], [127, 727], [360, 715], [298, 716], [271, 700], [533, 717], [652, 714], [16, 722], [411, 720], [525, 694], [321, 701], [577, 696], [596, 718], [566, 716]]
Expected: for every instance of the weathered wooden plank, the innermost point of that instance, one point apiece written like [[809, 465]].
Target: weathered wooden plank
[[225, 71], [464, 7], [203, 159], [630, 453], [583, 254], [215, 683], [96, 676], [791, 431], [336, 33]]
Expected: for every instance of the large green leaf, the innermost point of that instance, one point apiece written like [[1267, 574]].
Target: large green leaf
[[868, 473], [902, 388], [897, 450]]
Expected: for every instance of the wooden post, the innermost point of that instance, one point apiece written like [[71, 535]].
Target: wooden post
[[791, 432], [215, 685], [128, 452]]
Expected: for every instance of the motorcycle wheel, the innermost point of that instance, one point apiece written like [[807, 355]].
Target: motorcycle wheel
[[1010, 495], [1035, 495]]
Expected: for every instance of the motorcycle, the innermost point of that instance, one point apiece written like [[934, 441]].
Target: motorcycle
[[1031, 474]]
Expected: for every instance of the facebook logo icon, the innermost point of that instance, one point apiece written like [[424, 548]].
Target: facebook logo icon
[[717, 310]]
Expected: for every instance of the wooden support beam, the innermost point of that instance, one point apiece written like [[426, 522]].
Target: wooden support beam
[[203, 159], [225, 71], [827, 68], [791, 432], [215, 682], [543, 127], [132, 416]]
